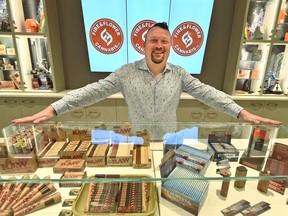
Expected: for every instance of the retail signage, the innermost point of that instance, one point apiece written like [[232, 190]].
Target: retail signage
[[115, 31]]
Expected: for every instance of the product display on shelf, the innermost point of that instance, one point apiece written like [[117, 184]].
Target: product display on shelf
[[188, 179], [23, 198], [261, 66], [256, 153], [219, 143], [186, 194], [125, 197], [26, 46], [277, 164]]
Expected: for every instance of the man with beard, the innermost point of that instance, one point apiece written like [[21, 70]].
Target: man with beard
[[151, 87]]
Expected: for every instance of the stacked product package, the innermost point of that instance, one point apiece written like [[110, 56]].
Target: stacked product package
[[117, 197], [185, 162]]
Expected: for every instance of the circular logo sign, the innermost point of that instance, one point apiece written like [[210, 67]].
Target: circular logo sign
[[187, 38], [106, 36], [138, 34]]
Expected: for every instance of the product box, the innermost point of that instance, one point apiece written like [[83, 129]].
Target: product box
[[50, 154], [63, 165], [256, 209], [142, 157], [120, 155], [189, 195], [7, 85], [236, 208], [220, 146], [78, 133], [72, 175], [75, 149], [192, 158], [277, 164], [10, 51], [3, 49], [15, 77], [18, 165], [96, 155]]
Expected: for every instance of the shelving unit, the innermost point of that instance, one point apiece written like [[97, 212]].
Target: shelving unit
[[30, 50], [258, 54]]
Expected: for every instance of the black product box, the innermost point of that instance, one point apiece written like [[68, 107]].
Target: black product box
[[220, 146], [223, 150]]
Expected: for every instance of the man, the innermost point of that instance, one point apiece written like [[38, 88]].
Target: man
[[151, 87]]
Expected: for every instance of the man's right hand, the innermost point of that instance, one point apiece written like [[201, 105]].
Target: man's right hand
[[44, 115]]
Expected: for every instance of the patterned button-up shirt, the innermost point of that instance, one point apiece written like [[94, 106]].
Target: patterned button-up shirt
[[148, 99]]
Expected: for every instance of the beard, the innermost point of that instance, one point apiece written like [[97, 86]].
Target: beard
[[157, 60]]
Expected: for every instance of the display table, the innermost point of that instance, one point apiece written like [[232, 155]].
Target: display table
[[260, 141], [213, 203]]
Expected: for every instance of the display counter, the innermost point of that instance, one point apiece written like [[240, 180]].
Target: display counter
[[183, 172]]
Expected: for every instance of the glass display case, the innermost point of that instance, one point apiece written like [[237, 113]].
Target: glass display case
[[112, 168], [26, 42], [258, 64]]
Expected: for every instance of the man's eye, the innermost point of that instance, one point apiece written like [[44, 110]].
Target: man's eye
[[165, 41]]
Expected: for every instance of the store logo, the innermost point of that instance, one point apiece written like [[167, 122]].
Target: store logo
[[138, 34], [106, 36], [187, 38]]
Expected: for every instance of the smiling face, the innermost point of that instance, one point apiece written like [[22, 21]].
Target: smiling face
[[157, 46]]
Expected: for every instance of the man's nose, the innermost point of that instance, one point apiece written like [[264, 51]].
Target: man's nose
[[159, 44]]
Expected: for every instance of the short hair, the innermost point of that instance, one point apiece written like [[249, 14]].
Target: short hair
[[162, 25]]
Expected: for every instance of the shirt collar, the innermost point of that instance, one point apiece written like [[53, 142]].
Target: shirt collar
[[143, 66]]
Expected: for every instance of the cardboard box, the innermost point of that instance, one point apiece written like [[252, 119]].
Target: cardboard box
[[96, 155], [72, 175], [10, 51], [120, 155], [2, 49], [75, 165], [50, 154], [142, 157], [18, 165], [75, 150], [7, 85]]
